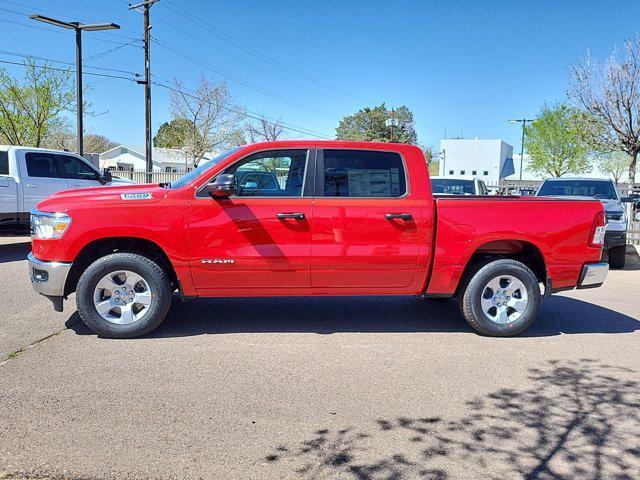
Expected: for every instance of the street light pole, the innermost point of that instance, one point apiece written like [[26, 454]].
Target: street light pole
[[78, 28], [524, 123]]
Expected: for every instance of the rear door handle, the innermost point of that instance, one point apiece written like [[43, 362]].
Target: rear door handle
[[399, 216], [31, 185], [294, 215]]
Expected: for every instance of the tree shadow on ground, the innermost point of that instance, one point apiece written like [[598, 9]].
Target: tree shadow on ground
[[578, 420]]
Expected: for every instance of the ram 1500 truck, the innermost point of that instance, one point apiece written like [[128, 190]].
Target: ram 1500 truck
[[346, 218]]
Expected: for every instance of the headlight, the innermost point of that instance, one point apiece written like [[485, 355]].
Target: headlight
[[49, 225]]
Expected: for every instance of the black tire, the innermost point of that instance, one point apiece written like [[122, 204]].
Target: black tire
[[157, 279], [471, 296], [617, 256]]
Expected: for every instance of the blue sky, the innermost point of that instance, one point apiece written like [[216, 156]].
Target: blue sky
[[468, 66]]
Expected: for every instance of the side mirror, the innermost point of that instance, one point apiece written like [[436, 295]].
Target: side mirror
[[106, 176], [223, 186]]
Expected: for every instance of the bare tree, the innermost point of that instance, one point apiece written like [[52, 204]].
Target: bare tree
[[264, 130], [60, 136], [213, 119], [610, 93]]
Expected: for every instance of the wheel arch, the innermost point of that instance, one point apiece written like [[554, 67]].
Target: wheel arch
[[521, 250], [104, 246]]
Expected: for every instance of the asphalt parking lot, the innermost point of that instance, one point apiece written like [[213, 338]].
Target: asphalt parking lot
[[362, 388]]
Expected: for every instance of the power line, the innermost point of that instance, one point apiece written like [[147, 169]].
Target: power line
[[262, 69], [240, 81], [255, 53], [106, 52], [62, 32], [250, 114], [59, 14], [68, 70], [44, 59]]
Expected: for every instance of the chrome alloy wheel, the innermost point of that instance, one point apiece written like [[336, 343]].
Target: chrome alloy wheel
[[122, 297], [504, 299]]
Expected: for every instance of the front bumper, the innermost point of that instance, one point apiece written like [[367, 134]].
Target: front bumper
[[613, 238], [593, 275], [48, 278]]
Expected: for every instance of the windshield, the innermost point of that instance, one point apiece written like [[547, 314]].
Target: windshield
[[189, 177], [600, 189], [452, 186]]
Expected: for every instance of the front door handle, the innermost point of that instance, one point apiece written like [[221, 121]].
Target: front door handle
[[31, 185], [294, 215], [399, 216]]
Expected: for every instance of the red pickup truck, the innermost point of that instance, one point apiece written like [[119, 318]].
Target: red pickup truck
[[309, 218]]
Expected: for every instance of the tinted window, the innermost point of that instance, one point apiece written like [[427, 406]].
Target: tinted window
[[452, 187], [579, 188], [358, 173], [77, 169], [4, 163], [276, 173], [42, 165]]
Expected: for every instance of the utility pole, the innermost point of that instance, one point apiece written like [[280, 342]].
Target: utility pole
[[79, 113], [78, 27], [524, 122], [147, 83]]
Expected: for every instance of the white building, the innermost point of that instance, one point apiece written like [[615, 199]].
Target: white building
[[122, 158], [489, 160]]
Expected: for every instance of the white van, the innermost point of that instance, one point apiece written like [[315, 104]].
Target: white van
[[28, 175]]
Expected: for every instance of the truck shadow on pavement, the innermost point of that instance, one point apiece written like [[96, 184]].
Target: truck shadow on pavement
[[322, 315], [577, 419], [15, 252]]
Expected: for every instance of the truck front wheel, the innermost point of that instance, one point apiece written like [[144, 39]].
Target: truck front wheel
[[123, 295], [501, 299]]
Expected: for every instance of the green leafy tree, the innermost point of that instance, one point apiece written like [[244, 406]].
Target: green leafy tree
[[555, 143], [378, 124], [614, 164], [32, 105], [173, 134]]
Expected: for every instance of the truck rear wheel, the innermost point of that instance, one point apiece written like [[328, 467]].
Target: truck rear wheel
[[123, 295], [501, 299], [617, 256]]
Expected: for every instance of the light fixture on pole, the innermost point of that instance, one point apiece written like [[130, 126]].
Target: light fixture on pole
[[78, 28], [524, 122], [391, 121]]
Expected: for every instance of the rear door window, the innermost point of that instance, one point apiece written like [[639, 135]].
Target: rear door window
[[363, 173], [42, 165], [4, 163]]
